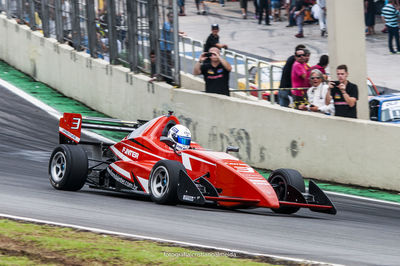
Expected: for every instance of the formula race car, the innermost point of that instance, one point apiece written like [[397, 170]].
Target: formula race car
[[148, 162]]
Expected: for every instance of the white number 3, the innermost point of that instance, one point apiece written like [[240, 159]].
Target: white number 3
[[76, 122]]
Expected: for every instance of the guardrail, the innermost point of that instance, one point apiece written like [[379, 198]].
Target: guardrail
[[248, 70]]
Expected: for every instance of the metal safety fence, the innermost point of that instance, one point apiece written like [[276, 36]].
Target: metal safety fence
[[139, 34]]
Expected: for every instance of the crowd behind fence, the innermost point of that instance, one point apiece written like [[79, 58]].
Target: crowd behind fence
[[123, 32], [139, 34], [250, 75]]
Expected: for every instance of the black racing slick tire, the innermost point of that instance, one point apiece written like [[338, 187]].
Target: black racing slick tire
[[279, 179], [163, 182], [68, 167]]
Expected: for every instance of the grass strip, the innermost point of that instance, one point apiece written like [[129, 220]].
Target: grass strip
[[33, 244]]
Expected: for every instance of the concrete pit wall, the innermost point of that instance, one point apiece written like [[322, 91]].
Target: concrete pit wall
[[327, 148]]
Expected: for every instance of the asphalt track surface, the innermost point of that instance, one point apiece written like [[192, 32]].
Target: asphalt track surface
[[362, 233]]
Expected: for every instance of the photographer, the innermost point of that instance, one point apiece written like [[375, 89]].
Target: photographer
[[344, 94], [215, 71]]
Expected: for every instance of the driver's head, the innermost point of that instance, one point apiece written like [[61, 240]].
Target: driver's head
[[181, 136]]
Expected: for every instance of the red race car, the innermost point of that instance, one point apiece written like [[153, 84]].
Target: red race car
[[158, 159]]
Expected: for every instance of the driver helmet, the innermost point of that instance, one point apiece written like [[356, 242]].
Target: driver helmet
[[181, 136]]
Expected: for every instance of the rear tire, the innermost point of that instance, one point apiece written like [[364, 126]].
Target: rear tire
[[68, 167], [279, 179], [163, 182]]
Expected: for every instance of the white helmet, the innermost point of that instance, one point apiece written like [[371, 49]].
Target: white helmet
[[181, 136]]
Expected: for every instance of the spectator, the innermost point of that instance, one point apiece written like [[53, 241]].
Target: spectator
[[153, 69], [286, 79], [307, 55], [396, 4], [203, 7], [166, 47], [322, 64], [390, 16], [216, 73], [276, 10], [263, 5], [213, 39], [344, 94], [298, 14], [181, 4], [290, 4], [101, 47], [316, 95], [243, 7], [299, 79], [370, 11], [256, 9], [153, 62], [322, 16]]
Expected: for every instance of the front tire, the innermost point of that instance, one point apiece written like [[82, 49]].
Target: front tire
[[68, 167], [279, 180], [163, 182]]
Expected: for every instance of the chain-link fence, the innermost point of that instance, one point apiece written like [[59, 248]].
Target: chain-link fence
[[139, 34]]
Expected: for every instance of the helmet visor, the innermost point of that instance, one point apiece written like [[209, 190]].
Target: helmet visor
[[184, 140]]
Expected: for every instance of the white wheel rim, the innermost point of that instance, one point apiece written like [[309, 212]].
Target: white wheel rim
[[160, 182], [58, 166]]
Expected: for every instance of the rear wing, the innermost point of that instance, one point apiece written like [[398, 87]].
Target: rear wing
[[71, 125]]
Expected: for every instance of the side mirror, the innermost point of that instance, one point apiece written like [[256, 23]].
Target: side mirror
[[232, 148], [167, 141]]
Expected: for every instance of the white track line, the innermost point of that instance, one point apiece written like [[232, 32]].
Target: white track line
[[50, 110], [188, 244], [362, 198]]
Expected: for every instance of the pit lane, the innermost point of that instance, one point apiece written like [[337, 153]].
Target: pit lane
[[362, 233]]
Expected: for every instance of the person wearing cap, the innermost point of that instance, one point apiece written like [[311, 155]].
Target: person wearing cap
[[215, 73], [213, 39]]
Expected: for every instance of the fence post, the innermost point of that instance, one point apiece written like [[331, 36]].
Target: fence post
[[31, 14], [192, 42], [20, 10], [45, 18], [235, 65], [246, 73], [112, 32], [59, 22], [152, 10], [76, 25], [131, 10], [177, 65], [259, 84], [183, 41], [271, 84], [91, 27], [8, 8]]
